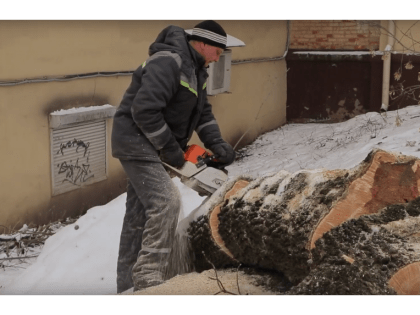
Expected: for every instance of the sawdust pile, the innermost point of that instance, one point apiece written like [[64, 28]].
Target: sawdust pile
[[200, 284]]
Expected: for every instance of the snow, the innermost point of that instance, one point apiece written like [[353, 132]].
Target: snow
[[345, 53], [84, 260], [354, 52], [82, 257], [331, 146], [80, 109]]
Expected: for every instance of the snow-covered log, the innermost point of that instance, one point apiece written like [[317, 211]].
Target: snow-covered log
[[330, 232]]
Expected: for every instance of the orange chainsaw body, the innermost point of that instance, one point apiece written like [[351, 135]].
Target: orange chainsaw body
[[194, 153]]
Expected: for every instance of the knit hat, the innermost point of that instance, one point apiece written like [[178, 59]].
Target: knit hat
[[211, 33]]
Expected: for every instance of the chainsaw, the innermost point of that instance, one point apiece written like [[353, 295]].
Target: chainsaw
[[201, 171]]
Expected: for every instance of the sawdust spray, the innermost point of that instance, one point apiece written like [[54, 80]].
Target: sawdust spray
[[181, 259]]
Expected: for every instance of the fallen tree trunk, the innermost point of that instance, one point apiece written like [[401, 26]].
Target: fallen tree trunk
[[320, 224]]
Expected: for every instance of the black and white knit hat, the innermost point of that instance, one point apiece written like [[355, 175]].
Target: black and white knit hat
[[211, 33]]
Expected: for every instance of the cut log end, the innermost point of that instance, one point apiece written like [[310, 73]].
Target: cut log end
[[407, 280], [214, 220], [388, 180]]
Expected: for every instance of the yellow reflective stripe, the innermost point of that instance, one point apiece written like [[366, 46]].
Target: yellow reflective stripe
[[205, 85], [143, 64], [183, 83]]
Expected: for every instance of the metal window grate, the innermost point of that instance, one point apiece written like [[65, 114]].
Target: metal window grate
[[78, 155], [219, 73]]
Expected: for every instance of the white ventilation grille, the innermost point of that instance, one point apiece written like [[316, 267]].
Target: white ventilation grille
[[78, 155], [219, 74]]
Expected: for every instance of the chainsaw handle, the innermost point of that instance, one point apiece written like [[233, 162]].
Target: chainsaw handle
[[210, 158]]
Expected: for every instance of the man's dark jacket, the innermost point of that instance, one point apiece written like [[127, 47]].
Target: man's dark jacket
[[165, 102]]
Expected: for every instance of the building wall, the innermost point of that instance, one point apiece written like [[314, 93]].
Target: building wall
[[405, 63], [407, 36], [34, 49], [337, 85], [334, 35]]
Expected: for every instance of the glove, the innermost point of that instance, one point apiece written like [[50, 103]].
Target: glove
[[172, 154], [224, 153]]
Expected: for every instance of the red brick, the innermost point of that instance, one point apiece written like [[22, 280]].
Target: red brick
[[361, 35], [329, 35], [314, 32], [352, 40]]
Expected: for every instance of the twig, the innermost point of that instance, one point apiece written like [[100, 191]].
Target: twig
[[22, 240], [5, 227], [219, 283], [256, 118], [237, 278], [24, 257]]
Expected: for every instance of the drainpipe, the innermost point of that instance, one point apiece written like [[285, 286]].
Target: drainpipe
[[387, 66]]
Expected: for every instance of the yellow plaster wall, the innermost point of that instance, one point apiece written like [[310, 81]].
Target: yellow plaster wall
[[407, 35], [31, 49]]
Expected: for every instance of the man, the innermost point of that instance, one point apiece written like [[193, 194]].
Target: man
[[164, 104]]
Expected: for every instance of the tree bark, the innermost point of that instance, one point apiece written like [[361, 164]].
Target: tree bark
[[330, 232]]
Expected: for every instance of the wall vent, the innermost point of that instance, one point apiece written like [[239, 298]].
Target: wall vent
[[219, 74], [79, 147]]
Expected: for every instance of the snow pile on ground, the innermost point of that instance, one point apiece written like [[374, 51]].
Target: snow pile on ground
[[332, 146], [84, 260], [82, 257]]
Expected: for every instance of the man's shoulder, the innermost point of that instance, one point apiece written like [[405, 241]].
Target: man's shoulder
[[165, 54]]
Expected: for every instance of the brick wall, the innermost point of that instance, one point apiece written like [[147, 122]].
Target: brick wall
[[334, 35]]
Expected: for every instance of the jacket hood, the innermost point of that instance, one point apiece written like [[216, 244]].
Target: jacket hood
[[174, 39]]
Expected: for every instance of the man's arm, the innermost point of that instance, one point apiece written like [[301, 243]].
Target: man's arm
[[159, 82], [207, 128], [209, 133]]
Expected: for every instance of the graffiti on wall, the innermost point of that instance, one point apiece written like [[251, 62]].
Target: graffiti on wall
[[79, 171], [72, 144]]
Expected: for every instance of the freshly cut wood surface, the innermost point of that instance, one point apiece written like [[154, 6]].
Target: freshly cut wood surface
[[407, 280], [214, 220], [387, 181]]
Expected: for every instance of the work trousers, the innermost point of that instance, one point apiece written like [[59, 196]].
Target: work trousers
[[152, 209]]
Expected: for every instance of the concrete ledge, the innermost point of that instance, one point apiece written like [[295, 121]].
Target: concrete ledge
[[66, 117]]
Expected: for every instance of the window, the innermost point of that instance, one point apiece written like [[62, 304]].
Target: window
[[79, 147]]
